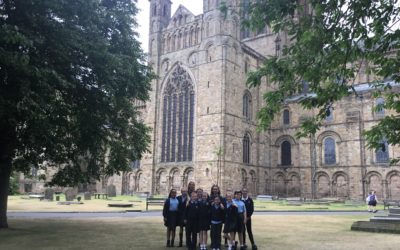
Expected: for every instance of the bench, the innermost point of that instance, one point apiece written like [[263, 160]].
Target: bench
[[36, 196], [154, 202], [388, 203], [103, 195]]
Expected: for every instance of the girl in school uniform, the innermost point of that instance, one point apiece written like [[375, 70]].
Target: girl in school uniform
[[231, 216], [217, 218], [192, 213], [171, 216], [204, 220], [241, 217]]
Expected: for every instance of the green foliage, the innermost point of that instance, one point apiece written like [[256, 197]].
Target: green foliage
[[14, 186], [69, 73], [328, 43]]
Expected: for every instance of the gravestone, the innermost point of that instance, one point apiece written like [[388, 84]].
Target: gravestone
[[69, 194], [49, 194], [87, 196], [111, 191]]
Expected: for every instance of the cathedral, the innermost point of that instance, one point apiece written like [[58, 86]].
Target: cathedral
[[204, 124]]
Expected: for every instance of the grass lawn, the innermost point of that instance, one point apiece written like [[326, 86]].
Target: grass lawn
[[23, 204], [271, 232]]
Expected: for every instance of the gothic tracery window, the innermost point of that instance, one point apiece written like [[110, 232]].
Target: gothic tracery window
[[178, 118]]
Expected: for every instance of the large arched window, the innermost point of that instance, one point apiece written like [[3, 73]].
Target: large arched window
[[247, 105], [178, 118], [382, 154], [286, 153], [246, 149], [286, 117], [329, 151]]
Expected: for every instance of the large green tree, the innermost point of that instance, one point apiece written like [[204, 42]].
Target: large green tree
[[69, 73], [329, 42]]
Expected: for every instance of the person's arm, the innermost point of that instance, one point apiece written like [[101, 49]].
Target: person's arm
[[251, 207], [165, 209]]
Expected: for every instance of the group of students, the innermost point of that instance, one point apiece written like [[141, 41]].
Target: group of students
[[197, 213]]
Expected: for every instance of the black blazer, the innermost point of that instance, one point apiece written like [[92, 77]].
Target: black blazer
[[249, 206]]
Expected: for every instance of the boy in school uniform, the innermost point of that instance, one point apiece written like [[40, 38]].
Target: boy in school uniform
[[248, 202], [217, 218], [231, 217], [192, 213], [183, 199]]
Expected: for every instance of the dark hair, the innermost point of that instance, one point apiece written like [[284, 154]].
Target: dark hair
[[170, 192], [211, 192], [237, 192]]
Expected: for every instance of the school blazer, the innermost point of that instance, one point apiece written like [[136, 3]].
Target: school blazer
[[249, 206]]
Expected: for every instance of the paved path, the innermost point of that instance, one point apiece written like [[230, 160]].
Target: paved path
[[158, 213]]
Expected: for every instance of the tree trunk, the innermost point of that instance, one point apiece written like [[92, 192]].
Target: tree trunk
[[5, 173]]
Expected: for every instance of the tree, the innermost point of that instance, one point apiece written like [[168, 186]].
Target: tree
[[329, 42], [69, 73]]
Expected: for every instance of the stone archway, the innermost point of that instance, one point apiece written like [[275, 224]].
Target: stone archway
[[394, 186], [374, 182], [340, 185], [279, 185], [323, 185], [293, 185]]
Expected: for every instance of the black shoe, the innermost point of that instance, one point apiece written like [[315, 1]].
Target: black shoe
[[254, 247], [172, 243], [168, 243]]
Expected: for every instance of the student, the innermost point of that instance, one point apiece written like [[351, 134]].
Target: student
[[372, 201], [204, 220], [192, 221], [242, 217], [223, 201], [231, 216], [217, 218], [183, 200], [248, 202], [191, 188], [171, 216], [215, 191]]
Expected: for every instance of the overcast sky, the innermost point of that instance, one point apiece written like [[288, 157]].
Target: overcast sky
[[195, 6]]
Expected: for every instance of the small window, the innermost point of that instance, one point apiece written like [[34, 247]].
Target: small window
[[155, 10], [330, 151], [382, 154], [286, 154], [380, 110], [286, 117], [246, 149], [247, 105], [329, 114]]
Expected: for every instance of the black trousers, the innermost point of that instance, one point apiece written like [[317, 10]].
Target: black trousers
[[216, 235], [249, 231], [191, 236]]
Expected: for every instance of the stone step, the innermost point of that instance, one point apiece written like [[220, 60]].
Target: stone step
[[394, 210], [377, 227], [385, 219], [394, 215]]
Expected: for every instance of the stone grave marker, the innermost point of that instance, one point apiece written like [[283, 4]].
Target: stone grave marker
[[111, 191], [87, 196], [69, 194], [49, 194]]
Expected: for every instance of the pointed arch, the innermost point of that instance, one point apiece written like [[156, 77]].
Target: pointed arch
[[177, 108]]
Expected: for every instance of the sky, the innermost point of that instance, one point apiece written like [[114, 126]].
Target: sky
[[195, 6]]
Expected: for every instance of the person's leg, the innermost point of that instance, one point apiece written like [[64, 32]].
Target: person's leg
[[173, 236], [188, 236], [194, 240], [249, 232], [205, 238], [180, 235], [218, 236], [244, 234]]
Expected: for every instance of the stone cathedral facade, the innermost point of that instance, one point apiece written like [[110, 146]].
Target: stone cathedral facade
[[204, 126], [204, 122]]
